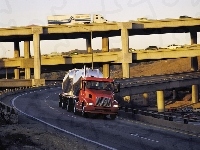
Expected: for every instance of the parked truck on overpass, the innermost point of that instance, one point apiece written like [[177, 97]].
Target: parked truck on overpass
[[86, 92], [75, 19]]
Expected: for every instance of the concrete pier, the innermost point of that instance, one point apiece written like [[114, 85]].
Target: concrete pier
[[89, 45], [145, 99], [105, 48], [195, 94], [194, 60], [125, 55], [37, 54], [174, 94], [160, 101], [27, 55], [194, 67], [16, 55]]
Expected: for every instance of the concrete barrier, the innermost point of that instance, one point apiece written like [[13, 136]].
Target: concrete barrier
[[8, 113], [162, 120]]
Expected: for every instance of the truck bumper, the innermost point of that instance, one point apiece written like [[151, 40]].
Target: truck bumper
[[101, 110]]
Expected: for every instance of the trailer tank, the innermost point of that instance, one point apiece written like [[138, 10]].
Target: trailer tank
[[85, 91]]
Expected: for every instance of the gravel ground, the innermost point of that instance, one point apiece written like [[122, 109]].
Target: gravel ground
[[30, 134]]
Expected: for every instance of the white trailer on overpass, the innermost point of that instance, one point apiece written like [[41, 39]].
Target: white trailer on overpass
[[75, 19]]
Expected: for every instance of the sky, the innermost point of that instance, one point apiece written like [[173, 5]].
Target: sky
[[27, 12]]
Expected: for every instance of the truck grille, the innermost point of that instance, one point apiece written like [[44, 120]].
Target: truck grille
[[103, 101]]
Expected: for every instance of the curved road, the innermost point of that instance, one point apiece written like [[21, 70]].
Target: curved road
[[42, 105]]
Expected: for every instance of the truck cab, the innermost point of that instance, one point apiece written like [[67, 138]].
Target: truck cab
[[99, 19], [87, 92], [97, 97]]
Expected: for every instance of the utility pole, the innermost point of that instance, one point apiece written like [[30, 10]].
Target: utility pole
[[6, 68], [6, 74], [92, 50]]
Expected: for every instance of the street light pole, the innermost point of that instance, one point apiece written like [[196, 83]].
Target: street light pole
[[6, 68], [90, 44], [92, 50], [6, 74]]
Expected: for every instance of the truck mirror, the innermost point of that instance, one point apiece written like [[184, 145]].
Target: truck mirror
[[84, 84], [117, 88]]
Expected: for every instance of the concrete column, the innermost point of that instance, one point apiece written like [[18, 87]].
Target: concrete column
[[105, 44], [126, 70], [89, 45], [145, 99], [16, 55], [174, 94], [126, 57], [160, 101], [106, 70], [195, 95], [194, 67], [194, 60], [105, 48], [27, 55], [37, 56]]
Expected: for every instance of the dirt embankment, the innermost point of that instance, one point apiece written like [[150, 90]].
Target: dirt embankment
[[160, 67]]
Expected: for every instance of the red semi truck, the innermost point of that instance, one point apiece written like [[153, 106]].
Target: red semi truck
[[85, 91]]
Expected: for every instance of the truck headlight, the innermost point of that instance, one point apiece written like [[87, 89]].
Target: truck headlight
[[115, 105], [90, 104]]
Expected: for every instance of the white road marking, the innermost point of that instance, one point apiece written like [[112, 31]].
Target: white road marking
[[48, 104], [68, 132], [136, 135]]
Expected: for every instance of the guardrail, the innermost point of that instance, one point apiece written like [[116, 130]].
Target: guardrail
[[8, 113], [163, 119]]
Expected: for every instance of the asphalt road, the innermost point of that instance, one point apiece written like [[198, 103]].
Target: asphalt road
[[42, 105]]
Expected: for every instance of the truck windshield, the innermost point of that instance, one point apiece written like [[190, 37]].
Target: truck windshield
[[100, 85]]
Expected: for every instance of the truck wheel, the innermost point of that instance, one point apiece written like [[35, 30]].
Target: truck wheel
[[112, 117], [60, 104], [64, 105], [68, 108], [75, 110], [84, 114]]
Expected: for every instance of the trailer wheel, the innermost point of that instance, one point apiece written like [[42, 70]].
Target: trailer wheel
[[84, 114], [64, 105], [68, 106], [60, 104], [68, 110], [112, 117], [75, 110]]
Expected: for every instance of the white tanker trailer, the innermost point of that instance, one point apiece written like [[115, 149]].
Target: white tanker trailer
[[85, 91]]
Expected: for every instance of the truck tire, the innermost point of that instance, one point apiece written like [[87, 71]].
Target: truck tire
[[64, 105], [84, 114], [112, 117], [68, 108], [75, 110], [60, 104]]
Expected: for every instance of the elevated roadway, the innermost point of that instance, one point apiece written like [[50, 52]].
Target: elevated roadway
[[38, 33], [132, 86], [140, 85], [103, 57], [24, 33]]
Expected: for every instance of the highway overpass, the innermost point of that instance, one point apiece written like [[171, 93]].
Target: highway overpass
[[37, 33], [102, 57], [88, 31]]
